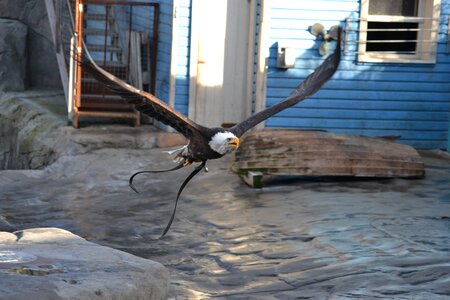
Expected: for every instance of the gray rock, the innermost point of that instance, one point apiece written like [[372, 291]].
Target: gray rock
[[51, 263], [5, 225], [13, 37], [13, 9], [33, 131], [42, 68]]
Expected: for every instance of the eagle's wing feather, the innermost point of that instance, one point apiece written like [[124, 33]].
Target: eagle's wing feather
[[308, 87], [143, 101]]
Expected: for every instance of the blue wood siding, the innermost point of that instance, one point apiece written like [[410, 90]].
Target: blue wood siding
[[163, 64], [411, 100], [164, 48], [182, 52], [143, 21]]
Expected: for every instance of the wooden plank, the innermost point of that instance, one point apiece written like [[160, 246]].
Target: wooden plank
[[132, 115], [367, 94], [253, 179], [353, 123], [380, 105], [312, 153], [386, 86], [135, 72], [219, 70]]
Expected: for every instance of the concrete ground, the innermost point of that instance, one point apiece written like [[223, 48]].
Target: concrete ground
[[293, 239]]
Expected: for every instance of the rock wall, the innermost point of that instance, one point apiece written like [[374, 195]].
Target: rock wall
[[39, 57], [29, 136], [34, 132], [13, 53]]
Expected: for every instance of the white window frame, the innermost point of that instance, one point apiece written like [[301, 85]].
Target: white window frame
[[428, 20]]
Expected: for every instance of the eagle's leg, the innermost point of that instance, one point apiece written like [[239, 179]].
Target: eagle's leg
[[130, 181], [186, 162]]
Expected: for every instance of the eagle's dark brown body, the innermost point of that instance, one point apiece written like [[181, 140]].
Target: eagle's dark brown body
[[198, 150]]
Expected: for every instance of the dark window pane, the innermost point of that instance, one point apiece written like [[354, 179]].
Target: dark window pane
[[393, 7], [397, 31]]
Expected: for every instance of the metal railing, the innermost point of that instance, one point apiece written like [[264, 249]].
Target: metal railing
[[410, 36]]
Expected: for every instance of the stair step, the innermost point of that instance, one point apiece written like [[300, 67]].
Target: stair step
[[99, 98], [104, 103], [118, 71], [95, 17], [100, 32], [111, 63], [82, 112], [114, 107], [92, 86], [101, 48]]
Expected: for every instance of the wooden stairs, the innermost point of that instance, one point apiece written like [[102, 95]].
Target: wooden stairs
[[101, 36]]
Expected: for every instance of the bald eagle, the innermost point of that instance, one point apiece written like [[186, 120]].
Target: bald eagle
[[206, 143]]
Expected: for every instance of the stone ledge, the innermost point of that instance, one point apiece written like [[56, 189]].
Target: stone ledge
[[51, 263]]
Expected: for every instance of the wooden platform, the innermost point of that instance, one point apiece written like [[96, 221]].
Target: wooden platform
[[131, 114], [314, 153]]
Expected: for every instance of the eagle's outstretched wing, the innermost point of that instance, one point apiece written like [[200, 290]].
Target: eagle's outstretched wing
[[307, 88], [143, 101]]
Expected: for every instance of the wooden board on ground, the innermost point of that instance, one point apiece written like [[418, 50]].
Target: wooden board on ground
[[279, 152]]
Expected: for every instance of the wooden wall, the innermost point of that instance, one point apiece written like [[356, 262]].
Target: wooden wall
[[181, 27], [411, 100], [164, 48], [182, 59], [143, 20]]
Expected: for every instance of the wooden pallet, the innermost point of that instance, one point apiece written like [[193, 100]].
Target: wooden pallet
[[314, 153]]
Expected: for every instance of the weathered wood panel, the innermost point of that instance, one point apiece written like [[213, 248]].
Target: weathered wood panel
[[315, 153]]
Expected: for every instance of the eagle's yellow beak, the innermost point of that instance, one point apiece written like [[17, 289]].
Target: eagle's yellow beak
[[234, 143]]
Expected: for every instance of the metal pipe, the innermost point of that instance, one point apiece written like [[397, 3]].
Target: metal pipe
[[79, 48], [130, 20], [106, 35], [154, 48]]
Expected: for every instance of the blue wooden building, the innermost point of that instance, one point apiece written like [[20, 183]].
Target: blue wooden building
[[217, 63]]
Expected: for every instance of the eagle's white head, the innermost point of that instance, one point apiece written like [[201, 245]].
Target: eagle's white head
[[224, 142]]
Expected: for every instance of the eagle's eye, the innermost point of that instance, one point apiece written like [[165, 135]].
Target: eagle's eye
[[229, 139]]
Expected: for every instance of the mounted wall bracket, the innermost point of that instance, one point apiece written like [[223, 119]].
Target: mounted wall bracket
[[319, 30], [285, 56]]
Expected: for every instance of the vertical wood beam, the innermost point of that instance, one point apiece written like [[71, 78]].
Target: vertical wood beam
[[55, 28], [261, 67], [251, 58], [79, 48]]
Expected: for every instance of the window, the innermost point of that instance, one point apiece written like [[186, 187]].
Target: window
[[403, 31]]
